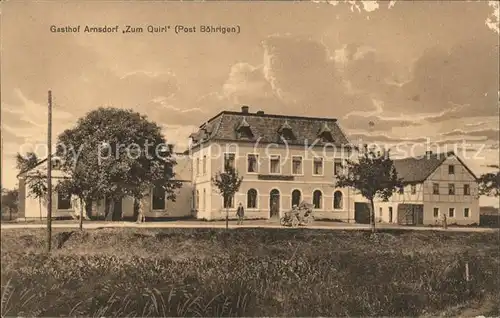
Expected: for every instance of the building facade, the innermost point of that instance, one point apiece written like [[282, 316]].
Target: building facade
[[435, 185], [283, 160], [155, 205]]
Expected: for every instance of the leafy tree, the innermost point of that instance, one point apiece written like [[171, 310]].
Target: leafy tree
[[373, 175], [489, 183], [35, 181], [113, 153], [10, 201], [227, 182]]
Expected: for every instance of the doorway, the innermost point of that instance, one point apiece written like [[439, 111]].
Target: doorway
[[274, 203], [390, 214]]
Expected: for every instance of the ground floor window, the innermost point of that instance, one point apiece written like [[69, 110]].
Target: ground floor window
[[436, 212], [317, 199], [466, 212], [158, 198], [252, 199], [451, 212], [296, 196], [63, 201], [337, 200], [229, 202]]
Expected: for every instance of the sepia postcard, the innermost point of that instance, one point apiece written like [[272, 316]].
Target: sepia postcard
[[250, 158]]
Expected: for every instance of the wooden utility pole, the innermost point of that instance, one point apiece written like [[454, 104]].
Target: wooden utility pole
[[49, 174]]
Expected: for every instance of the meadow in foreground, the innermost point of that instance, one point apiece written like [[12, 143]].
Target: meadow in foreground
[[246, 272]]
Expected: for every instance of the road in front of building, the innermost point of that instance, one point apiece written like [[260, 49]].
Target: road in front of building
[[322, 225]]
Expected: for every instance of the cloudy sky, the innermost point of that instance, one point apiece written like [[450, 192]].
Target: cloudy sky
[[391, 72]]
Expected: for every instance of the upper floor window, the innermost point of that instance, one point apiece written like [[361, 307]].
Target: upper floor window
[[275, 164], [318, 166], [413, 189], [204, 164], [252, 163], [158, 198], [229, 160], [466, 212], [63, 201], [466, 189], [435, 188], [451, 189], [451, 169], [297, 165], [337, 168]]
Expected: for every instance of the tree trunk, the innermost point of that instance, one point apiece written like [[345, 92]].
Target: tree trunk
[[40, 207], [227, 218], [81, 214], [109, 210], [372, 216]]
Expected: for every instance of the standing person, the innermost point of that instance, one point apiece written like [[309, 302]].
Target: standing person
[[240, 212], [140, 215]]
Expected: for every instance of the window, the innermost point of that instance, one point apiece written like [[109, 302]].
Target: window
[[435, 188], [451, 189], [466, 212], [275, 164], [204, 208], [252, 163], [63, 201], [318, 166], [297, 165], [296, 196], [197, 205], [380, 212], [466, 189], [451, 212], [436, 212], [229, 202], [413, 189], [337, 168], [451, 169], [390, 214], [252, 199], [229, 160], [337, 200], [158, 198], [197, 166], [317, 198], [204, 164]]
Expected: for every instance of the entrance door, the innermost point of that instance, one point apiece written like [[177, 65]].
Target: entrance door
[[296, 197], [274, 203]]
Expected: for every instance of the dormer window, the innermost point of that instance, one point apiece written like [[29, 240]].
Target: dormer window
[[325, 133], [243, 130], [286, 131]]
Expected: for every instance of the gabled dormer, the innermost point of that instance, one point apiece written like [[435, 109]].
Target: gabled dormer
[[325, 133], [285, 131], [243, 130]]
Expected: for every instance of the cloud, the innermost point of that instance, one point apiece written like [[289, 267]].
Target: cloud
[[493, 20], [485, 134]]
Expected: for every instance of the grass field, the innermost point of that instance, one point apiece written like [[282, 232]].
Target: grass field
[[248, 272]]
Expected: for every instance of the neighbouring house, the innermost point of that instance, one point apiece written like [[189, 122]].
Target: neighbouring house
[[155, 205], [435, 184], [283, 160]]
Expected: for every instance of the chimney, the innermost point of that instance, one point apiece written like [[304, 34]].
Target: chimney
[[260, 112], [244, 109]]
